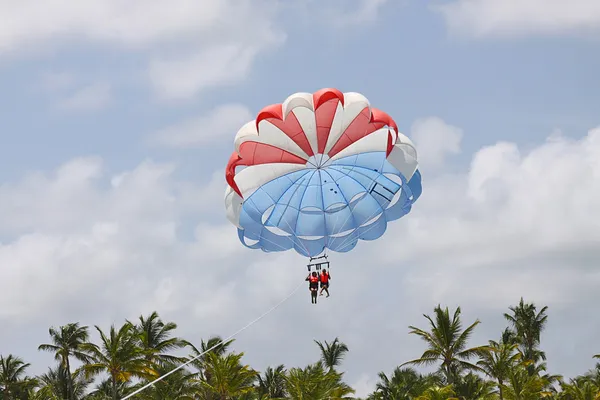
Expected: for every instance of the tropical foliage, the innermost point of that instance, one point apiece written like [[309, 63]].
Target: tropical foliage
[[127, 357]]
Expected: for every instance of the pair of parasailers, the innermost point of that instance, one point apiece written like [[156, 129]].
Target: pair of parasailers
[[313, 284]]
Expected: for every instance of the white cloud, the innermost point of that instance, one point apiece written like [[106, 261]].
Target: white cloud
[[516, 224], [367, 12], [193, 45], [73, 239], [217, 126], [194, 199], [182, 77], [92, 97], [342, 14], [56, 81], [435, 139], [137, 24], [99, 248], [186, 46], [511, 209], [483, 18]]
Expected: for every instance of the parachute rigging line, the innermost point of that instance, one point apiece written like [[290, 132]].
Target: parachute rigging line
[[216, 345]]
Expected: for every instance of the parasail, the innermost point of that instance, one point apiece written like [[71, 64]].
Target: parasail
[[319, 171]]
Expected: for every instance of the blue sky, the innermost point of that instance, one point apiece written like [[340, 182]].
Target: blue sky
[[516, 89], [92, 83]]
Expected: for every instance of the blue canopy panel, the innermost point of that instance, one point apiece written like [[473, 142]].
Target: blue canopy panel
[[330, 207]]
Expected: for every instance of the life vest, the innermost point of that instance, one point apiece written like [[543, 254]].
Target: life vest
[[313, 279], [324, 278]]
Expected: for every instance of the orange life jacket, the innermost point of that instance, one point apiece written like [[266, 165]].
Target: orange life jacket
[[324, 278], [313, 279]]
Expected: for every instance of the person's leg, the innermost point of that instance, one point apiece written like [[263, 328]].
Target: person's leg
[[327, 289]]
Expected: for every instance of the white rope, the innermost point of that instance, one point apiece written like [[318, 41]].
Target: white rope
[[216, 345]]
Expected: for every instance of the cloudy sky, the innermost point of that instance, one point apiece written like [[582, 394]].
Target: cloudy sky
[[116, 122]]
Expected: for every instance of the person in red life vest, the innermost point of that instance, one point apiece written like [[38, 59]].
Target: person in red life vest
[[313, 286], [324, 278]]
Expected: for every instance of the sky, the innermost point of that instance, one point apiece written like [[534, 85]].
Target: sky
[[117, 120]]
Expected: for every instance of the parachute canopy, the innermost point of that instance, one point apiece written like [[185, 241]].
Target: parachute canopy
[[319, 171]]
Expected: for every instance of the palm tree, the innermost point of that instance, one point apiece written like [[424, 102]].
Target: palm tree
[[155, 339], [498, 360], [316, 381], [438, 393], [404, 384], [580, 389], [509, 337], [213, 345], [105, 390], [225, 376], [521, 385], [120, 356], [548, 379], [473, 387], [14, 383], [447, 343], [593, 375], [68, 342], [180, 385], [528, 325], [58, 384], [332, 353], [272, 384]]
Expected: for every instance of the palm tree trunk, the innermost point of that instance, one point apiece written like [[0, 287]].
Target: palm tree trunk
[[70, 393], [115, 394], [449, 379], [500, 389]]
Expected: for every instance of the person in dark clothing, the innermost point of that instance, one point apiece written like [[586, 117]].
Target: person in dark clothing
[[313, 286], [324, 278]]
